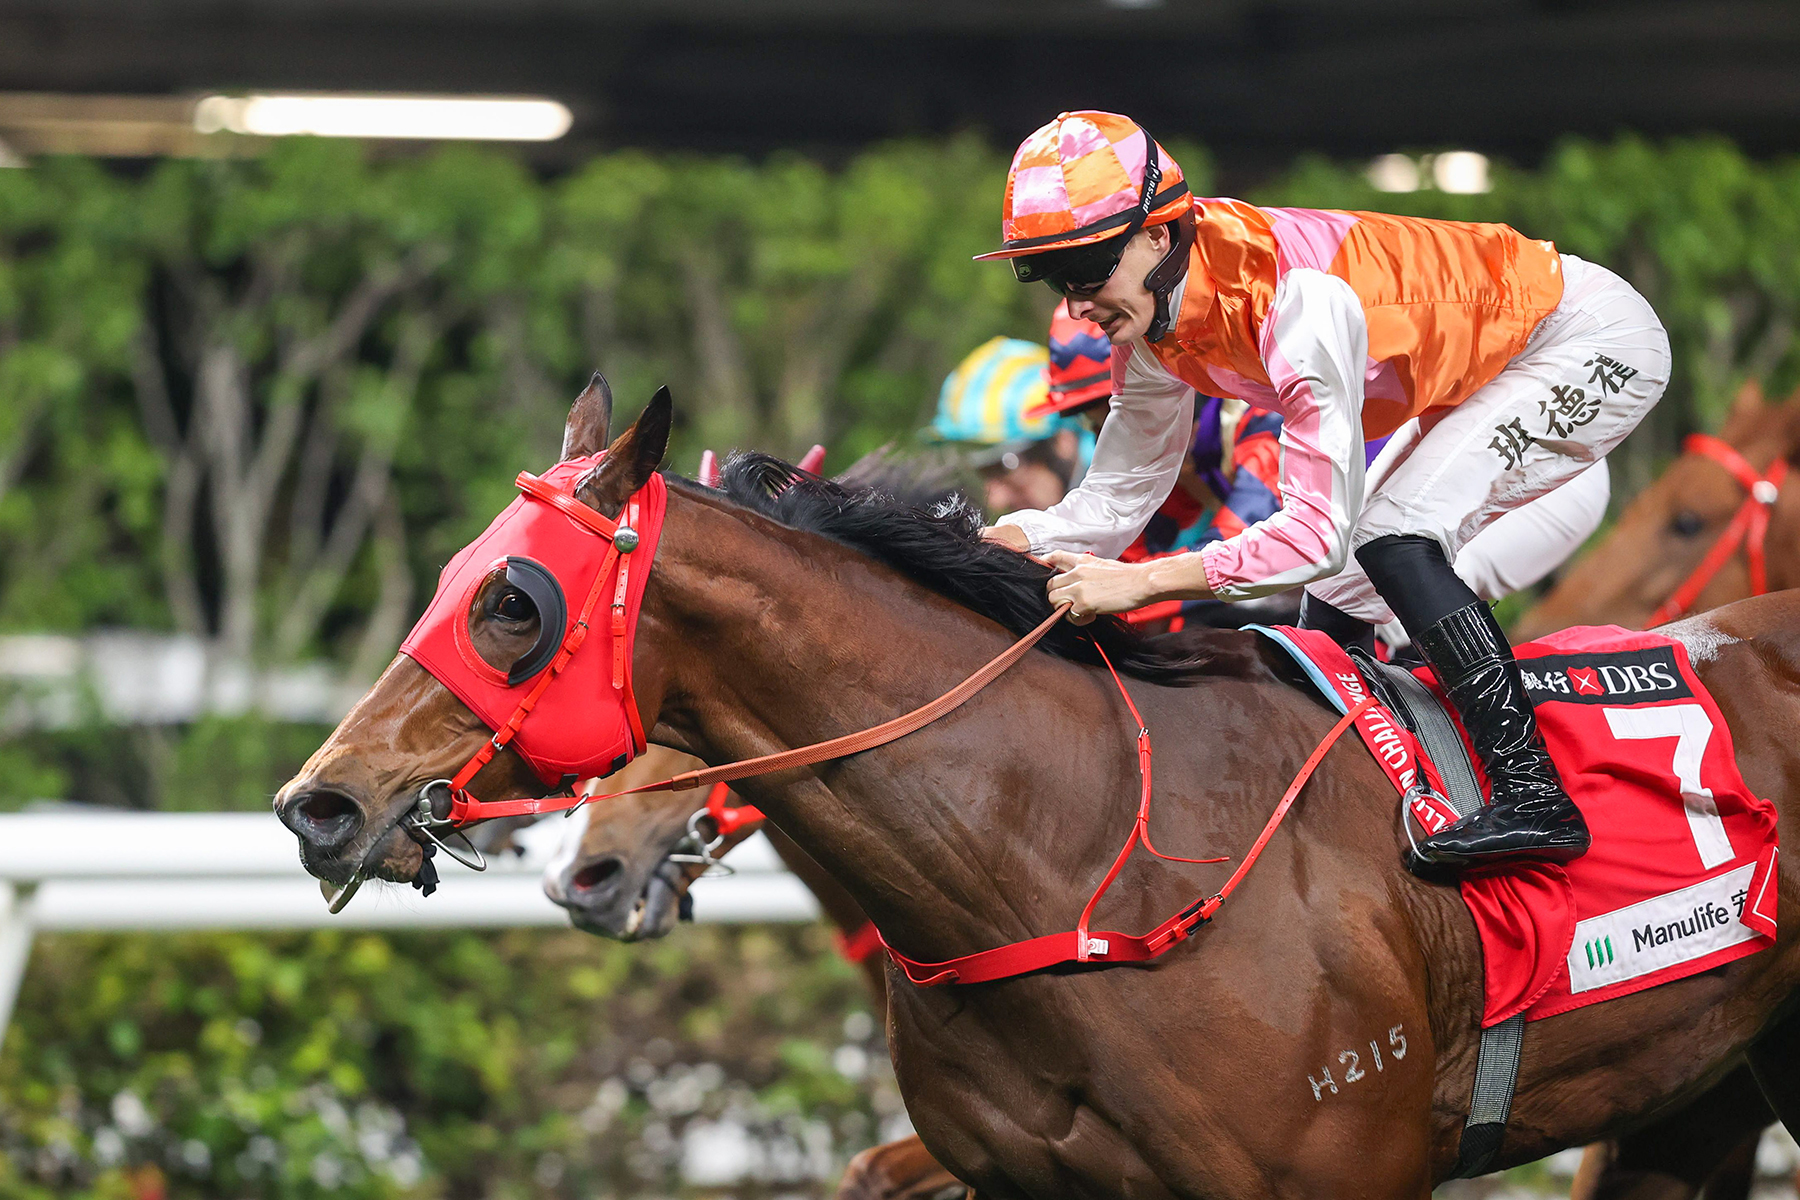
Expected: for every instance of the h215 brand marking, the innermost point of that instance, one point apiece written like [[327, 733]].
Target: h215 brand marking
[[1350, 1063]]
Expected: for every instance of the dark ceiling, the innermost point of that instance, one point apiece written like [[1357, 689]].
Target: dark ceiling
[[1257, 81]]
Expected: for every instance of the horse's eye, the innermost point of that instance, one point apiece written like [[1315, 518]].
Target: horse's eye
[[513, 605], [1686, 523]]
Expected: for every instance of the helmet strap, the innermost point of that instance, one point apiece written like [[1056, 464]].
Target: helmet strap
[[1166, 274]]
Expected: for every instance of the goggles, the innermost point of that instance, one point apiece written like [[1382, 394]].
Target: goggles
[[1078, 271]]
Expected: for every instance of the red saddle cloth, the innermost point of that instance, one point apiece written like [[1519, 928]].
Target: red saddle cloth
[[1681, 876]]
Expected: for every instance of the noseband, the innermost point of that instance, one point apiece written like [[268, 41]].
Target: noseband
[[1748, 528]]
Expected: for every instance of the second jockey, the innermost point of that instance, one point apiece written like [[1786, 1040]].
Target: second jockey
[[1502, 369]]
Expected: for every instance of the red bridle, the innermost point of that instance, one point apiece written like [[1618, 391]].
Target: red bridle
[[1080, 945], [726, 818], [464, 807], [856, 946], [592, 725], [1748, 528]]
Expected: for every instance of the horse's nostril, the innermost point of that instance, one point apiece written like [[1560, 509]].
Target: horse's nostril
[[595, 875], [325, 807], [324, 818]]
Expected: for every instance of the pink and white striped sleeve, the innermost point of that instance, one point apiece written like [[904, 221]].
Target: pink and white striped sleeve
[[1315, 342]]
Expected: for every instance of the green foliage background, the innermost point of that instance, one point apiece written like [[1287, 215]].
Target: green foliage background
[[388, 342]]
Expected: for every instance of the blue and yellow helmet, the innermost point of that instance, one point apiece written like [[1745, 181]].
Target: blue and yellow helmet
[[983, 402]]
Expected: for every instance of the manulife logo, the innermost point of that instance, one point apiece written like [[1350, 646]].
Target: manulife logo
[[1599, 952]]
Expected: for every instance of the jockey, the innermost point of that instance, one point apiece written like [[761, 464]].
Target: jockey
[[1228, 479], [1502, 369], [1027, 459]]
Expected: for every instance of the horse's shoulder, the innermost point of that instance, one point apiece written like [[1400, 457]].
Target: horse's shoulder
[[1703, 638]]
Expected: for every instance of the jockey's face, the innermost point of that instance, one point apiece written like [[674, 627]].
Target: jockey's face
[[1124, 307]]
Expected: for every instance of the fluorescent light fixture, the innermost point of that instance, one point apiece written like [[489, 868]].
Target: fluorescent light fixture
[[445, 118], [1394, 173], [1461, 171]]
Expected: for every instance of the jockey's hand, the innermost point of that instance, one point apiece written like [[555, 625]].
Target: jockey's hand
[[1091, 586], [1010, 536]]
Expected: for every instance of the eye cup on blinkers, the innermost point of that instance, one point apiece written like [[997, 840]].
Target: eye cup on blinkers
[[533, 580]]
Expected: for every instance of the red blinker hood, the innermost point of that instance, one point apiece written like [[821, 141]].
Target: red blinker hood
[[589, 725]]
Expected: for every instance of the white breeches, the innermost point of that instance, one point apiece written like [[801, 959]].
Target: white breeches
[[1590, 372]]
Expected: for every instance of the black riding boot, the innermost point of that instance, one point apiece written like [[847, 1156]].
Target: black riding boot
[[1528, 814]]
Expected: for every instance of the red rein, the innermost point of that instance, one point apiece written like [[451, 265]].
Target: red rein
[[1106, 947], [1749, 526], [1079, 945]]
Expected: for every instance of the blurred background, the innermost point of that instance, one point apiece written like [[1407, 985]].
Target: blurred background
[[272, 347]]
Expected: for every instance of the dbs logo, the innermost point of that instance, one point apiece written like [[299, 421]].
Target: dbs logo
[[1586, 681], [1623, 676]]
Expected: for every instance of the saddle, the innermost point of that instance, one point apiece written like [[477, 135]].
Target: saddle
[[1680, 878]]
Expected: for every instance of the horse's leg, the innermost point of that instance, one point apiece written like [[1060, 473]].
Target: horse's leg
[[1710, 1141], [1775, 1059], [902, 1170]]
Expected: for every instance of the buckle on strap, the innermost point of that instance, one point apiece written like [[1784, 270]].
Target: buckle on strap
[[423, 824]]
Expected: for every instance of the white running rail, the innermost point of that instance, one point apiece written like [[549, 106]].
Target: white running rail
[[101, 870]]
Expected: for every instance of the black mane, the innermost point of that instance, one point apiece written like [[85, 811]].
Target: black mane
[[939, 544]]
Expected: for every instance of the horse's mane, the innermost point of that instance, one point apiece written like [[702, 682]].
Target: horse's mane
[[938, 544]]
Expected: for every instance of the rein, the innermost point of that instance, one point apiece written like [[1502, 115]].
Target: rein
[[1035, 954], [1078, 945], [1748, 528], [802, 756]]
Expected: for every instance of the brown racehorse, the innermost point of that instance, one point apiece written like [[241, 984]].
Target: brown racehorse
[[619, 881], [1661, 537], [1667, 529], [779, 616]]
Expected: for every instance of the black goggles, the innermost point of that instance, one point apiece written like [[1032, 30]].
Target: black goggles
[[1077, 271]]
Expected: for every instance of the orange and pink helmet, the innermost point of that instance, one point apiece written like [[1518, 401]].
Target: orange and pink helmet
[[1079, 189], [1080, 179]]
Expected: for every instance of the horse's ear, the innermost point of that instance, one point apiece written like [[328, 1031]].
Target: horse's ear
[[632, 459], [1790, 420], [1747, 409], [590, 420]]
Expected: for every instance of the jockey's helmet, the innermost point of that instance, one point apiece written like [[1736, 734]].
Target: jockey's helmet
[[1079, 189], [983, 403], [1080, 371]]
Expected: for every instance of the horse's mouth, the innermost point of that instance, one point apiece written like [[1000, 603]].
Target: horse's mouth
[[390, 856], [653, 912]]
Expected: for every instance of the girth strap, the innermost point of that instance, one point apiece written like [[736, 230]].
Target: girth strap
[[1497, 1058]]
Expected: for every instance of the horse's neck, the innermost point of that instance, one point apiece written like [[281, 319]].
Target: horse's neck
[[777, 642], [835, 900]]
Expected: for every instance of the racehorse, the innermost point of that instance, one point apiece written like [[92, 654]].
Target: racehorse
[[617, 879], [1661, 539], [776, 616], [1666, 534]]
